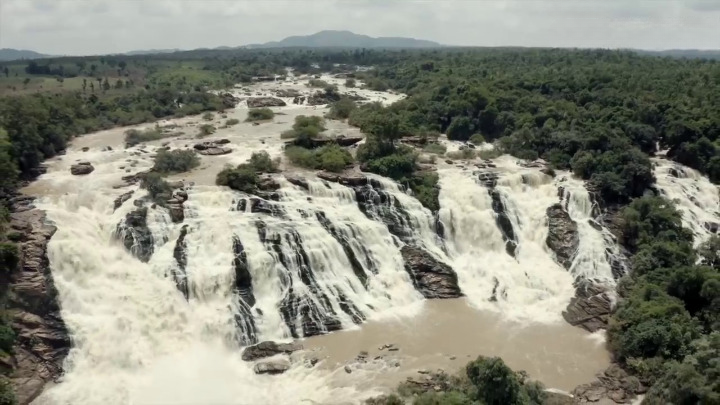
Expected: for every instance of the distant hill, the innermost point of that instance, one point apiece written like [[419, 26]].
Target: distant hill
[[151, 51], [7, 54], [345, 39]]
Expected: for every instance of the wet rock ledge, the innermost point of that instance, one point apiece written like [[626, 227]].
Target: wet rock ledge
[[32, 307]]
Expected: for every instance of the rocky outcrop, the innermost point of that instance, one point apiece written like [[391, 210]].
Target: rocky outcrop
[[562, 235], [298, 181], [33, 310], [613, 384], [269, 349], [350, 180], [503, 222], [135, 234], [81, 168], [259, 102], [213, 148], [591, 307], [431, 277], [287, 93], [215, 151], [122, 198], [180, 255], [272, 367], [319, 142], [228, 100], [323, 97]]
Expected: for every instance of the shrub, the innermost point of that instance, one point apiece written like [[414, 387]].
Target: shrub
[[176, 161], [425, 189], [350, 83], [205, 130], [134, 137], [231, 122], [477, 139], [158, 189], [396, 166], [208, 116], [341, 109], [7, 397], [261, 162], [242, 178], [318, 83], [463, 154], [435, 148], [7, 338], [9, 258], [496, 383], [260, 114], [332, 158], [304, 129]]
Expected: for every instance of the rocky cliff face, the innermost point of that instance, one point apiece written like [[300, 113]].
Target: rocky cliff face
[[562, 235], [42, 339], [431, 277]]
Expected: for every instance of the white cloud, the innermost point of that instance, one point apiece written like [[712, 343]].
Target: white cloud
[[104, 26]]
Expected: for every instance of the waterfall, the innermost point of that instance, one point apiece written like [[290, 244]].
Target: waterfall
[[694, 196], [495, 231]]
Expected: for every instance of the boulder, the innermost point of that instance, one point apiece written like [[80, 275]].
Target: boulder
[[81, 168], [268, 349], [300, 182], [228, 100], [135, 234], [268, 184], [562, 235], [215, 151], [177, 212], [259, 102], [431, 277], [122, 198], [591, 307], [612, 385], [33, 310], [287, 93], [272, 367], [350, 180]]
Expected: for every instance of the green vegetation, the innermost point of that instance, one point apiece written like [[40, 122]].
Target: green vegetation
[[304, 130], [231, 122], [350, 83], [6, 395], [158, 189], [667, 328], [245, 177], [208, 116], [260, 114], [332, 157], [176, 161], [135, 137], [318, 83], [341, 109], [484, 381], [9, 260], [206, 130], [477, 139], [435, 148]]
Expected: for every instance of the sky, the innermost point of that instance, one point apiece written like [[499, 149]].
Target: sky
[[86, 27]]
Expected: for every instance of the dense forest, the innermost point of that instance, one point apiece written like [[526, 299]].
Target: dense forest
[[600, 114]]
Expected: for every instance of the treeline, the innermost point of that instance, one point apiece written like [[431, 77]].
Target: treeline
[[598, 113], [666, 329]]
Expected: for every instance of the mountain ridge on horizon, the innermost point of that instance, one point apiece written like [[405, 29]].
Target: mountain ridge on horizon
[[340, 39]]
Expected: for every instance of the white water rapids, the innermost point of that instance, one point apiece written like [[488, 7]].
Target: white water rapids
[[322, 259]]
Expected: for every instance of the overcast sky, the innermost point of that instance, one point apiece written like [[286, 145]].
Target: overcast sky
[[79, 27]]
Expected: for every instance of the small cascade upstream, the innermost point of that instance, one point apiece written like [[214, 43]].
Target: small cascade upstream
[[694, 196]]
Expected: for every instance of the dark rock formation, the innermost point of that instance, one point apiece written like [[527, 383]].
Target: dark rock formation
[[268, 349], [215, 151], [350, 180], [562, 235], [136, 235], [180, 254], [503, 222], [299, 100], [432, 278], [243, 279], [33, 310], [81, 168], [268, 184], [323, 97], [319, 142], [176, 211], [213, 148], [300, 182], [122, 198], [228, 100], [612, 384], [287, 93], [258, 102], [272, 367], [590, 308]]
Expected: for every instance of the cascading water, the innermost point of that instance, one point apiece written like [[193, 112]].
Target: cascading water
[[496, 228], [694, 196]]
